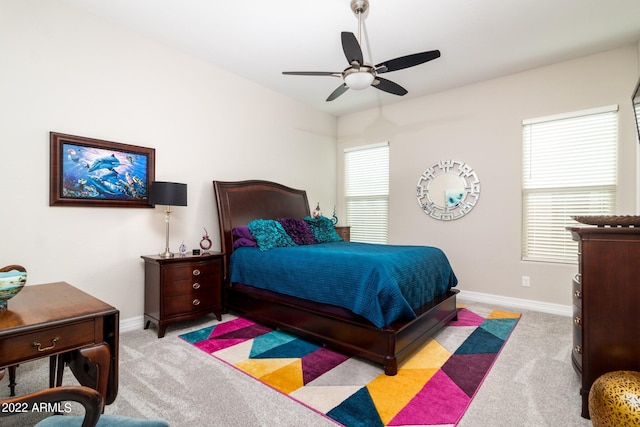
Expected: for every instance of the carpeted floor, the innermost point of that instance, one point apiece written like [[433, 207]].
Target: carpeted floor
[[434, 387], [531, 383]]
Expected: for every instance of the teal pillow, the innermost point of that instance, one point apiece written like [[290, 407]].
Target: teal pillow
[[269, 234], [323, 229]]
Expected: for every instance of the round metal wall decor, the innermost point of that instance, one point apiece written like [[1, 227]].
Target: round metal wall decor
[[448, 190]]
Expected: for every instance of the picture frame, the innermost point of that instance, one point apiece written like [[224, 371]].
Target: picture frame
[[93, 172]]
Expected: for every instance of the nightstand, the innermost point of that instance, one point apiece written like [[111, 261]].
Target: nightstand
[[344, 231], [181, 288]]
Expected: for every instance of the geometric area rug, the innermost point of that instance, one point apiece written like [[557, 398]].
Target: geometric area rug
[[433, 387]]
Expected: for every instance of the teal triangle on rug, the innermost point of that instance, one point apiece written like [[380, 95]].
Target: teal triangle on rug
[[433, 387]]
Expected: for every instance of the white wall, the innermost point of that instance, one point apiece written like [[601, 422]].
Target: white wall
[[64, 71], [481, 125]]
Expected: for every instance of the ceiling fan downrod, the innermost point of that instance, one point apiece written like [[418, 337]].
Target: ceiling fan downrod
[[359, 7]]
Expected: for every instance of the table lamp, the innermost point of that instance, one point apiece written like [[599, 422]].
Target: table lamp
[[168, 194]]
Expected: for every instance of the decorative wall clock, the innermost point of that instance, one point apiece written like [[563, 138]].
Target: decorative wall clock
[[448, 190]]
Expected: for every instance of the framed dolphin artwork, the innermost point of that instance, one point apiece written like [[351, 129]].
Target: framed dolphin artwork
[[92, 172]]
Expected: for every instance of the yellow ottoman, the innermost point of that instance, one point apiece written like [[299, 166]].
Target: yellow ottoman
[[614, 399]]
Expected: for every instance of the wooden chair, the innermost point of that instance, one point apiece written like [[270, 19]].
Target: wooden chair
[[89, 398]]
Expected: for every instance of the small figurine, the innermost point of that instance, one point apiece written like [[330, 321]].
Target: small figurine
[[317, 213], [183, 249], [205, 243]]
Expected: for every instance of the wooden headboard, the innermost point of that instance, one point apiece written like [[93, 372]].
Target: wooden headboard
[[240, 202]]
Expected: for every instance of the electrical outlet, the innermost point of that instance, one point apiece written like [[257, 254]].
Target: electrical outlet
[[526, 281]]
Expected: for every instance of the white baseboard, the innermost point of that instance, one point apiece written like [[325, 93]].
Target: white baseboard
[[131, 324], [545, 307]]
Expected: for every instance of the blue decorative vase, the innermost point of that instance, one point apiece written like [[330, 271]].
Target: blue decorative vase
[[12, 280]]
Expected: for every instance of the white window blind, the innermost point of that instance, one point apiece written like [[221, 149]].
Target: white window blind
[[366, 192], [569, 169]]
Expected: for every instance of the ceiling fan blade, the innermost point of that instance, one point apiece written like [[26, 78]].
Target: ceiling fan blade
[[351, 48], [407, 61], [388, 86], [339, 91], [312, 73]]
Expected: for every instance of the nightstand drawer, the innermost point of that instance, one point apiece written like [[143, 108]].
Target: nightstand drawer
[[184, 304], [190, 271], [344, 232], [183, 287], [47, 341]]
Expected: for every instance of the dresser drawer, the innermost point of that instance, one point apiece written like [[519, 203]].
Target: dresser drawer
[[577, 291], [47, 342], [189, 303], [577, 336]]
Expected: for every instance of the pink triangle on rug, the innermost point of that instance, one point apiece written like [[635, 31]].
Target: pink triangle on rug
[[439, 402], [466, 318], [233, 325], [215, 343]]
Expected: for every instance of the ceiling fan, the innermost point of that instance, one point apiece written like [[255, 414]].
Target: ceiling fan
[[359, 74]]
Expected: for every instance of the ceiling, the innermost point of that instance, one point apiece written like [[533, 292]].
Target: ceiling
[[478, 39]]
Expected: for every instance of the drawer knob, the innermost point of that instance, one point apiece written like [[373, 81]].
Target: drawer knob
[[578, 349], [39, 347], [196, 301], [196, 285], [577, 321], [196, 272], [577, 294]]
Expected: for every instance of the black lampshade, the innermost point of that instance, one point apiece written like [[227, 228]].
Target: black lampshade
[[168, 193]]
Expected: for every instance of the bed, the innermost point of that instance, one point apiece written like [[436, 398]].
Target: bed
[[241, 202]]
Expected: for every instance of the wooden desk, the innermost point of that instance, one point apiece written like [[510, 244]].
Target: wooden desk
[[57, 319]]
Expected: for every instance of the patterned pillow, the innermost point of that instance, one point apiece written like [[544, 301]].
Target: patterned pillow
[[298, 230], [323, 229], [269, 234]]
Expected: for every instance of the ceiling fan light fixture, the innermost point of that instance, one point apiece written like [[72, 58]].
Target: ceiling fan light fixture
[[359, 80]]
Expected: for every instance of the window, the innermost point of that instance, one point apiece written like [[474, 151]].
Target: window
[[569, 169], [366, 192]]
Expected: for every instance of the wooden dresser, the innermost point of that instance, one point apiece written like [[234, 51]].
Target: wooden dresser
[[180, 288], [606, 304]]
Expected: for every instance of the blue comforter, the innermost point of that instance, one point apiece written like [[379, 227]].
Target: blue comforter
[[382, 283]]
